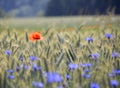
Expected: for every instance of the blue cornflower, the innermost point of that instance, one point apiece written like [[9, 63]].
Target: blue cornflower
[[72, 66], [17, 68], [86, 70], [114, 83], [59, 87], [115, 54], [116, 71], [89, 39], [26, 67], [111, 74], [109, 36], [68, 77], [53, 77], [8, 52], [33, 58], [36, 68], [94, 85], [38, 84], [10, 76], [89, 64], [21, 59], [86, 75], [10, 71], [94, 56], [85, 65]]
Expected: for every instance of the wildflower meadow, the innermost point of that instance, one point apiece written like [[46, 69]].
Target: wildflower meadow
[[71, 57]]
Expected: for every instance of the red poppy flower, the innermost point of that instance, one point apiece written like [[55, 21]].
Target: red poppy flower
[[35, 36]]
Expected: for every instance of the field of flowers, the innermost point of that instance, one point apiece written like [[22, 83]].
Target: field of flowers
[[78, 57]]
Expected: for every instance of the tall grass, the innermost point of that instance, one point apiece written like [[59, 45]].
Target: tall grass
[[55, 53]]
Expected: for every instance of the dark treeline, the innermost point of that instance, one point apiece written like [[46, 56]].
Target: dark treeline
[[23, 8], [82, 7], [29, 8]]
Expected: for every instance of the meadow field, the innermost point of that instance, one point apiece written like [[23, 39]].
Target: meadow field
[[62, 52]]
